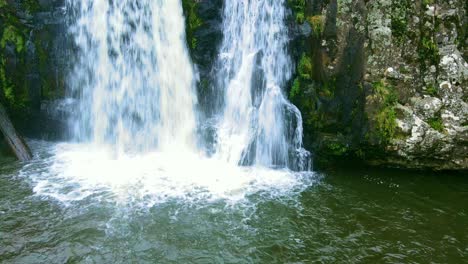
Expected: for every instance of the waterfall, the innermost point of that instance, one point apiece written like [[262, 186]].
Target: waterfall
[[258, 126], [132, 75], [135, 121]]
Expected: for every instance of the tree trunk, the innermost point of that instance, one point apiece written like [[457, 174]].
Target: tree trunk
[[16, 143]]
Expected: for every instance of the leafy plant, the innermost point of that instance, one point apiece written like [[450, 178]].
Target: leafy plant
[[436, 123], [298, 7], [305, 67], [192, 21], [12, 35], [385, 118], [429, 51], [399, 23], [431, 90], [295, 89], [317, 23]]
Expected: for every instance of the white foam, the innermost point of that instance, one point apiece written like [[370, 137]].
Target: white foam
[[77, 171]]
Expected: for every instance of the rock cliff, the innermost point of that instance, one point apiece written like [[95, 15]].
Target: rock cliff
[[384, 81]]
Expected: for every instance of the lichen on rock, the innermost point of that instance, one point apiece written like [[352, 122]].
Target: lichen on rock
[[400, 82]]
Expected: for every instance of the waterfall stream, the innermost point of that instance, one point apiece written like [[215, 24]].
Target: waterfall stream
[[147, 178], [135, 124], [258, 125], [134, 76]]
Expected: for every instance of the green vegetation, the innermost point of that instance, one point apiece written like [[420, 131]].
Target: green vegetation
[[432, 91], [317, 23], [328, 88], [427, 2], [336, 149], [399, 16], [385, 118], [12, 84], [386, 123], [31, 6], [429, 51], [5, 82], [298, 7], [386, 92], [12, 35], [16, 99], [295, 89], [192, 21], [304, 70], [305, 67], [436, 123], [300, 18]]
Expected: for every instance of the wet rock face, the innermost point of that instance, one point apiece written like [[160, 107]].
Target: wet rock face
[[36, 55], [208, 38], [389, 83]]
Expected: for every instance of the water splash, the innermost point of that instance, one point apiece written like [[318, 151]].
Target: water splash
[[136, 121], [258, 125], [133, 77], [74, 172]]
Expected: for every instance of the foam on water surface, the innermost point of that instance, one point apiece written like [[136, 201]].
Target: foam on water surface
[[73, 172], [136, 119]]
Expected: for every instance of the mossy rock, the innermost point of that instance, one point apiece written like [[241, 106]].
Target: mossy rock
[[192, 21], [381, 113]]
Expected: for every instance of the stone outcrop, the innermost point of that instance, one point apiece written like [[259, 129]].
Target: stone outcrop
[[34, 59], [387, 82]]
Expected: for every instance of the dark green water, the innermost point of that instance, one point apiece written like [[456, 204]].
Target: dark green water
[[348, 216]]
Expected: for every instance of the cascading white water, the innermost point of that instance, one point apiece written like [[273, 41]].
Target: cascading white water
[[133, 76], [258, 126], [136, 120]]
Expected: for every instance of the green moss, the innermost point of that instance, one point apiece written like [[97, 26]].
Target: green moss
[[436, 123], [12, 35], [429, 51], [432, 91], [386, 123], [300, 17], [386, 92], [16, 99], [305, 67], [12, 81], [317, 23], [304, 71], [192, 21], [336, 149], [295, 89], [327, 89], [399, 23], [427, 2], [31, 6], [7, 86], [385, 118], [298, 8]]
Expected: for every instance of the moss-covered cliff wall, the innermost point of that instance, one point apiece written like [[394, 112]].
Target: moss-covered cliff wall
[[33, 59], [383, 81]]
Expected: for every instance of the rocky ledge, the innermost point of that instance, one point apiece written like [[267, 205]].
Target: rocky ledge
[[383, 81]]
